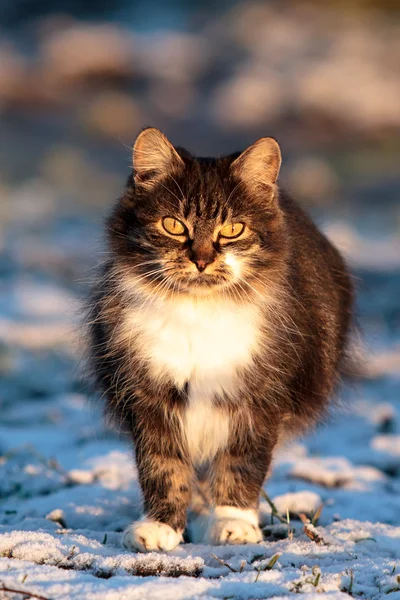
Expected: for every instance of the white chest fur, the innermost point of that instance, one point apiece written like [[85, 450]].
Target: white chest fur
[[204, 343]]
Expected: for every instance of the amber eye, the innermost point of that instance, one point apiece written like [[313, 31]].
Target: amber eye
[[232, 230], [173, 226]]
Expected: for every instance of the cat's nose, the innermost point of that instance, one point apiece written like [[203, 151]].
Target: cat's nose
[[201, 255], [201, 264]]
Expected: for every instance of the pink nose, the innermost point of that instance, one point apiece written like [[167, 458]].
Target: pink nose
[[201, 264]]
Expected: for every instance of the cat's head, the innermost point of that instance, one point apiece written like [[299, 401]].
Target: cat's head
[[199, 226]]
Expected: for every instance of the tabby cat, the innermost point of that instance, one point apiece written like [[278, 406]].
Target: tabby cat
[[217, 327]]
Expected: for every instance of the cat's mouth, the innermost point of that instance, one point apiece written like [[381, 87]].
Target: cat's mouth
[[201, 283], [187, 283], [173, 281]]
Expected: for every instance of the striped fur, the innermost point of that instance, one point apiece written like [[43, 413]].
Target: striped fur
[[210, 367]]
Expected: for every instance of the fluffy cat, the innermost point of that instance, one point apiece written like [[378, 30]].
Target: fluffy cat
[[218, 326]]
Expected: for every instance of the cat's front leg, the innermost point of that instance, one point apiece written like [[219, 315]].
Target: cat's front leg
[[236, 479], [165, 477]]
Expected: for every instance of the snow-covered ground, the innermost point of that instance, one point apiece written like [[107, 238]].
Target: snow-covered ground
[[68, 486]]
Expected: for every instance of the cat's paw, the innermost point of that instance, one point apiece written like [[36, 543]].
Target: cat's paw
[[150, 536], [233, 531], [230, 525]]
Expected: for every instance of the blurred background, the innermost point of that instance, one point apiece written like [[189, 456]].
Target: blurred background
[[78, 80]]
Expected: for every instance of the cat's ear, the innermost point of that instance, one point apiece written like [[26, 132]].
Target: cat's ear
[[154, 157], [259, 164]]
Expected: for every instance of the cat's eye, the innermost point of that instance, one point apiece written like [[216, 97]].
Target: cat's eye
[[173, 226], [232, 230]]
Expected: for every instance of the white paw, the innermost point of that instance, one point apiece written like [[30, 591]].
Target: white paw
[[147, 536], [231, 525], [233, 531]]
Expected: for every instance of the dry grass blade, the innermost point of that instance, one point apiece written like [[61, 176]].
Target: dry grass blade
[[303, 518], [290, 530], [314, 536], [222, 562], [316, 582], [72, 553], [274, 510], [270, 565], [349, 591], [315, 517], [24, 593], [272, 562]]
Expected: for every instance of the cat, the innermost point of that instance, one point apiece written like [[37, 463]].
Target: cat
[[218, 326]]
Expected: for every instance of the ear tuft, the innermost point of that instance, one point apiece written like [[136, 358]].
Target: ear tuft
[[260, 163], [154, 157]]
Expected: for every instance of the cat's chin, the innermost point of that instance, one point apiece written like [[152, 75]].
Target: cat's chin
[[203, 292], [204, 288]]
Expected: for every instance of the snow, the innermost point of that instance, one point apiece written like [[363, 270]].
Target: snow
[[100, 566], [68, 485]]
